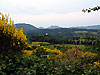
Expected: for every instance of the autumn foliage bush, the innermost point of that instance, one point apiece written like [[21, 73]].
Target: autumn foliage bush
[[11, 38], [73, 53]]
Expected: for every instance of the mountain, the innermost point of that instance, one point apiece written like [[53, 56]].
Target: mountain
[[41, 28], [88, 27], [54, 27], [57, 31], [26, 27]]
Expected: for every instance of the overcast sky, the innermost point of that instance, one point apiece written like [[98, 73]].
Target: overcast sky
[[64, 13]]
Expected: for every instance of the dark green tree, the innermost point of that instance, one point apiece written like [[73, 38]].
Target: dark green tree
[[91, 9]]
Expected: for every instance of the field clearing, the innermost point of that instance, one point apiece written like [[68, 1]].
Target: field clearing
[[65, 47]]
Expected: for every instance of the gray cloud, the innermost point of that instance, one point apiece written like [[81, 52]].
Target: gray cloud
[[46, 12]]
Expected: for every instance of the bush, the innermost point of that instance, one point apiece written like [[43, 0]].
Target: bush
[[11, 38], [29, 65]]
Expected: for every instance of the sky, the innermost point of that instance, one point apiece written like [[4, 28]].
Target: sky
[[44, 13]]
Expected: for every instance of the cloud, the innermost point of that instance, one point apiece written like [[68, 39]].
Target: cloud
[[47, 12], [65, 20], [35, 7]]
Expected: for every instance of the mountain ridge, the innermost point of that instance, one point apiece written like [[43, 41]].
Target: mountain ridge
[[26, 27], [88, 27], [54, 27]]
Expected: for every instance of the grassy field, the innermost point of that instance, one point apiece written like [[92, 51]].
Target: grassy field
[[64, 47]]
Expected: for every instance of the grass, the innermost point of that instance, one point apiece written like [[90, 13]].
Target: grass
[[64, 47]]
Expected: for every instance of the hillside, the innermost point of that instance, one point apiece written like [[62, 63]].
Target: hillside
[[54, 27], [57, 31], [41, 28], [65, 32], [89, 27], [26, 27]]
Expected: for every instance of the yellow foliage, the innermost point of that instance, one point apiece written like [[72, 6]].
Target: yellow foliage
[[97, 63], [89, 54], [9, 30], [27, 52], [30, 46], [73, 54], [42, 51], [48, 56], [57, 52]]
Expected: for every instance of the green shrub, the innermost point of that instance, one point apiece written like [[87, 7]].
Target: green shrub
[[83, 66], [29, 65]]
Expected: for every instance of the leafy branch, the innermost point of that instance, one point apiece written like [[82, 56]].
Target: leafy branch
[[91, 9]]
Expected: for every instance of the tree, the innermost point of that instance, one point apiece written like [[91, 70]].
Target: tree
[[91, 9]]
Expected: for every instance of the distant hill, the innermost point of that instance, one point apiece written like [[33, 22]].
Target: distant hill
[[41, 28], [88, 27], [54, 27], [26, 27], [65, 32], [57, 31]]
